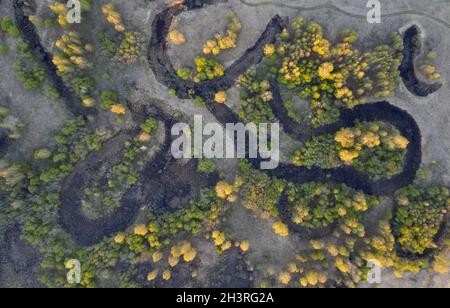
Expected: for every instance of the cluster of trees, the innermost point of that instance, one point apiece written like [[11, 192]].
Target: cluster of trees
[[73, 53], [221, 241], [376, 149], [259, 192], [51, 93], [11, 174], [110, 101], [280, 228], [61, 11], [419, 216], [72, 63], [39, 189], [319, 151], [313, 278], [73, 60], [113, 17], [183, 250], [427, 67], [129, 48], [292, 112], [227, 191], [37, 21], [205, 69], [346, 254], [102, 200], [310, 64], [39, 220], [224, 41], [318, 205], [255, 98], [381, 247], [300, 274], [30, 74], [73, 144], [32, 78], [199, 217]]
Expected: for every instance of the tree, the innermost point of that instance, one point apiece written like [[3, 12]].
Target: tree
[[245, 246], [280, 229], [42, 154], [113, 17], [152, 275], [140, 230], [220, 97], [284, 278], [177, 38]]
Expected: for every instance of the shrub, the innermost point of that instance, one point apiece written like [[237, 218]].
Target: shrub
[[149, 126], [52, 93], [31, 78], [7, 25], [108, 99], [207, 166], [3, 50], [42, 154]]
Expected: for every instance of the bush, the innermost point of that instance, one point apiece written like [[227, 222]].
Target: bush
[[207, 166], [42, 154], [83, 85], [7, 25], [3, 50], [52, 93], [150, 126]]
